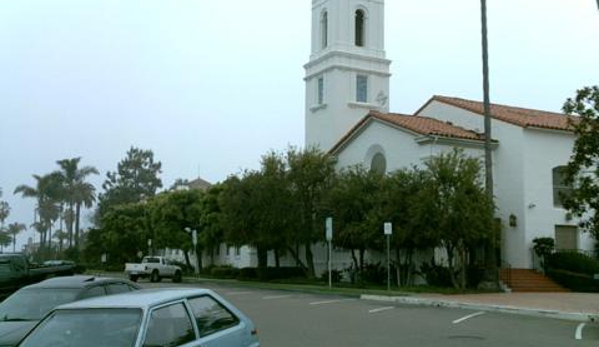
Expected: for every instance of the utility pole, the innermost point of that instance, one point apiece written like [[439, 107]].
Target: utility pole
[[487, 103], [491, 260]]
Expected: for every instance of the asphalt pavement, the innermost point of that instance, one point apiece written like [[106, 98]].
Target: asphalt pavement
[[291, 319]]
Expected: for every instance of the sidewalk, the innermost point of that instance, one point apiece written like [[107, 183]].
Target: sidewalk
[[580, 307]]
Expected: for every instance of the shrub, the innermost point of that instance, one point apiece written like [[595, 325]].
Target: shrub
[[336, 276], [574, 281], [279, 273], [248, 273], [224, 272], [373, 274], [436, 275], [573, 262]]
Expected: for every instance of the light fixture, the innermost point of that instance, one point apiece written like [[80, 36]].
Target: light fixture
[[513, 220]]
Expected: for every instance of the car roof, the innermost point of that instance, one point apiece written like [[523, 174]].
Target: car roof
[[144, 299], [79, 281]]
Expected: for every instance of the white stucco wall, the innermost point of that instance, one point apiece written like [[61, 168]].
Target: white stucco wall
[[543, 151], [522, 167], [398, 146]]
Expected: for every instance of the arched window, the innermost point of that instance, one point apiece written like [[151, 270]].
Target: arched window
[[561, 190], [360, 28], [324, 30], [378, 164]]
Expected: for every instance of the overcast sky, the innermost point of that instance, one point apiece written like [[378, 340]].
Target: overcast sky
[[210, 86]]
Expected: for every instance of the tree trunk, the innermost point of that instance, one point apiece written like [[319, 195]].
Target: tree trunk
[[295, 255], [70, 224], [310, 260], [262, 257], [361, 253], [77, 216], [397, 268], [277, 258], [186, 254], [450, 261]]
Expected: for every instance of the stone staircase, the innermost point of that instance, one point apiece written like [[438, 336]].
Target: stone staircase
[[526, 280]]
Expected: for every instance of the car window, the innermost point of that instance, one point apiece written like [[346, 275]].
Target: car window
[[87, 328], [169, 326], [34, 303], [93, 292], [151, 260], [115, 288], [211, 316]]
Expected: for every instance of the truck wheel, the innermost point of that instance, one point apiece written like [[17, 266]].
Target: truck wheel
[[133, 278], [155, 277], [177, 277]]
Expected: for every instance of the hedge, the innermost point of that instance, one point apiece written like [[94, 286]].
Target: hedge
[[574, 281], [573, 262], [252, 273]]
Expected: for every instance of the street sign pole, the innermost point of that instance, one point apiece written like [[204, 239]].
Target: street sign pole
[[329, 235], [388, 229]]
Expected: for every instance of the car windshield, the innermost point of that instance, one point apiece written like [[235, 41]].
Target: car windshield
[[33, 304], [151, 260], [87, 328]]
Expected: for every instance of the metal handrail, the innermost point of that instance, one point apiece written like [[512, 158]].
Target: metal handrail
[[507, 266]]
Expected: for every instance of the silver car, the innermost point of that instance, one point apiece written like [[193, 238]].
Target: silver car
[[148, 318]]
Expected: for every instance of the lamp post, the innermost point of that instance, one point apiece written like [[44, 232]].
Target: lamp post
[[388, 230], [329, 236]]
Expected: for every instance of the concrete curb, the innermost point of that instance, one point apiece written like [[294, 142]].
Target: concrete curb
[[524, 311]]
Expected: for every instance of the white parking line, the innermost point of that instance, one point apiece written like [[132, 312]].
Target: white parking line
[[331, 301], [381, 309], [237, 293], [457, 321], [273, 297], [578, 335]]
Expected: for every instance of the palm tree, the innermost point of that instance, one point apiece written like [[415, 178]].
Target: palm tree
[[76, 192], [61, 236], [4, 212], [47, 193], [5, 240], [14, 229]]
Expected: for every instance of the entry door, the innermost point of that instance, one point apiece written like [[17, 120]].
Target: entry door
[[566, 237]]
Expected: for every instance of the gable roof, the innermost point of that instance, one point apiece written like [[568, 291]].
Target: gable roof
[[417, 124], [519, 116]]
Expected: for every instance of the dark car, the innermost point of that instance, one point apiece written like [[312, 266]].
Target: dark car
[[21, 311]]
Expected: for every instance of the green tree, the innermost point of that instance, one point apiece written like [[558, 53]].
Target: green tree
[[583, 168], [170, 214], [123, 234], [137, 177], [456, 209], [15, 229], [211, 223], [400, 205], [311, 174], [355, 202]]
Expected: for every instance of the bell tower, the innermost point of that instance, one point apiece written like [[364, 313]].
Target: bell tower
[[348, 74]]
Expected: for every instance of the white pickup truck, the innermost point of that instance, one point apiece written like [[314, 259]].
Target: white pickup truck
[[156, 268]]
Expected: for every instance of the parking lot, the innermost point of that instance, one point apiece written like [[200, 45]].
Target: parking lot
[[298, 319]]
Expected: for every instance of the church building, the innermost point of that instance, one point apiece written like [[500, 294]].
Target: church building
[[347, 114]]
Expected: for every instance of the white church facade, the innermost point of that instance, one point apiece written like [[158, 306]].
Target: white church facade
[[347, 115]]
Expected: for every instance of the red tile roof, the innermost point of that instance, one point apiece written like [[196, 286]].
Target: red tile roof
[[523, 117], [418, 124]]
